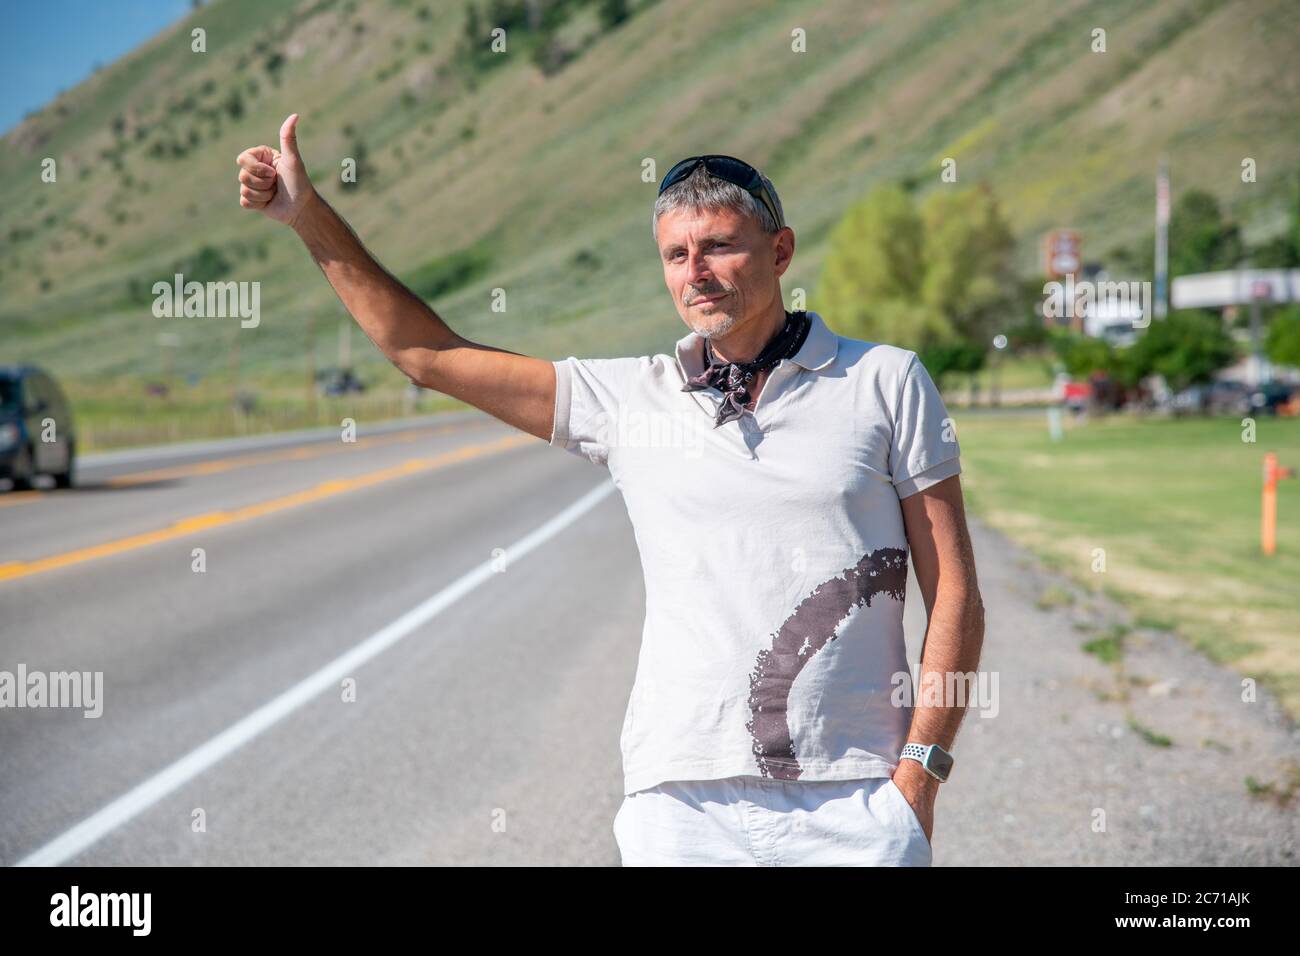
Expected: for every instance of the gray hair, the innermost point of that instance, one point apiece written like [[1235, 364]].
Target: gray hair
[[700, 190]]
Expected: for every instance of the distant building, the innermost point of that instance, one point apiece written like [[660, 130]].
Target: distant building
[[1254, 288], [1107, 310]]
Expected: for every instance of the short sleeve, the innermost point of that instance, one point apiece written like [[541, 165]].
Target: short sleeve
[[589, 395], [924, 450]]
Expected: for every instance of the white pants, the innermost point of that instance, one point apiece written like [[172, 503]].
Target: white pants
[[758, 821]]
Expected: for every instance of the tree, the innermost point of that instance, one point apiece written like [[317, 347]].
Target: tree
[[1084, 355], [1274, 253], [612, 13], [1200, 240], [1282, 251], [472, 35], [234, 104], [968, 252], [871, 280], [1187, 348], [1135, 260], [949, 358], [1283, 342], [876, 257], [937, 280], [364, 170]]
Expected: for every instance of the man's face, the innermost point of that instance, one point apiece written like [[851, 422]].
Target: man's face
[[720, 267]]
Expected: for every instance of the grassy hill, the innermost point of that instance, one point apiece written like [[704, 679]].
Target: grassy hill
[[486, 171]]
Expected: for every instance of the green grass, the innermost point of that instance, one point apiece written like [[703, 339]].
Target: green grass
[[1162, 515], [1054, 596], [1280, 792], [1149, 735], [446, 274], [126, 415], [1014, 371], [1109, 648]]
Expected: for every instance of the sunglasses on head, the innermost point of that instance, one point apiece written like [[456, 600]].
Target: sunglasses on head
[[733, 170]]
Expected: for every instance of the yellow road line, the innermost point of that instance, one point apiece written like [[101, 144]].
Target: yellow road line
[[20, 497], [214, 519]]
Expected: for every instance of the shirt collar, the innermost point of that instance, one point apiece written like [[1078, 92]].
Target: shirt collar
[[817, 351]]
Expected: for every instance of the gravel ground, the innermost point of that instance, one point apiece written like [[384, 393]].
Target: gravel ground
[[1059, 776]]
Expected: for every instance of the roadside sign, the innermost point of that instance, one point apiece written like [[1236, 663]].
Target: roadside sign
[[1062, 253]]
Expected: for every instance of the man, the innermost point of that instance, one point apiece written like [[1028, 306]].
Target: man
[[776, 475]]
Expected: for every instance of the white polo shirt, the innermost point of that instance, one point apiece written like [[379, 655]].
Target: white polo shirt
[[773, 550]]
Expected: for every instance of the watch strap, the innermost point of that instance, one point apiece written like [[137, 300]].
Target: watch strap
[[921, 754], [915, 752]]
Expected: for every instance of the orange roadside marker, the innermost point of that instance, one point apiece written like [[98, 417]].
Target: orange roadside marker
[[1268, 526]]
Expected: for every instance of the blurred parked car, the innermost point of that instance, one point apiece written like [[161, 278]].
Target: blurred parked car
[[338, 381], [1193, 400], [1234, 398], [1271, 398], [32, 409], [1229, 398], [1074, 395]]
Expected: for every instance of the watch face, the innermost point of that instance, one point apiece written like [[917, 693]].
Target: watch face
[[940, 763]]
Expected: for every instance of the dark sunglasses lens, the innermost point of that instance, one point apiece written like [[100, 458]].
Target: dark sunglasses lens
[[679, 172], [734, 171], [744, 176]]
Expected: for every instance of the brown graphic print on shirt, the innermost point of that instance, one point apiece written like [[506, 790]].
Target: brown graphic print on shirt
[[804, 633]]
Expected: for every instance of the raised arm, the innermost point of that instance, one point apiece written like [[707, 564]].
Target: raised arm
[[518, 389]]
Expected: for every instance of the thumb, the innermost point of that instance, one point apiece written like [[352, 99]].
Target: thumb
[[289, 137]]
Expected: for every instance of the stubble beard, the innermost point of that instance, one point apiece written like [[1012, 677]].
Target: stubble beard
[[721, 328], [715, 325]]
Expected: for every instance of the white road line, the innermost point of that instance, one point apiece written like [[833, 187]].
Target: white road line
[[272, 440], [145, 795]]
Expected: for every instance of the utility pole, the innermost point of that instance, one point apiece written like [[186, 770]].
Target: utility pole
[[1161, 303], [1260, 290]]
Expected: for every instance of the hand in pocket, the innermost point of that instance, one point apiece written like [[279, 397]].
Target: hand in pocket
[[924, 816]]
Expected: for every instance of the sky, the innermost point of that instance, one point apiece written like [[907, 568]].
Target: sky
[[52, 45]]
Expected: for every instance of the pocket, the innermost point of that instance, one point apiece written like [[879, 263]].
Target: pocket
[[914, 820]]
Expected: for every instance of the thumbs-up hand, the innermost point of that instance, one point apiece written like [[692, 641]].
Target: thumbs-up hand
[[274, 181]]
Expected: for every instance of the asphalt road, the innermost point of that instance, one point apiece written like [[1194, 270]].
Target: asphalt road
[[418, 648], [488, 733]]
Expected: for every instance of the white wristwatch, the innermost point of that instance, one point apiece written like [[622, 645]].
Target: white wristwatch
[[936, 761]]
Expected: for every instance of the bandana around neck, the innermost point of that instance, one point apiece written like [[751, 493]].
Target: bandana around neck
[[733, 378]]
